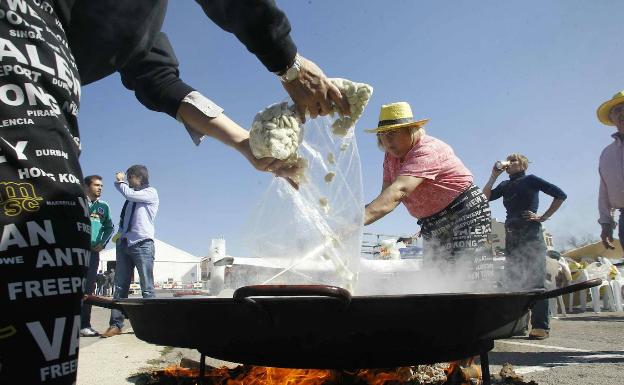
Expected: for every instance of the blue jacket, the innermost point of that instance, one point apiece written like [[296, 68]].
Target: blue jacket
[[521, 193]]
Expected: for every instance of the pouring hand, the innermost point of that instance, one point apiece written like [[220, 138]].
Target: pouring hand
[[279, 168], [267, 164], [312, 91], [607, 236]]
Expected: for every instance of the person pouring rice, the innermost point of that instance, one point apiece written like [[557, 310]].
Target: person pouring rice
[[424, 174]]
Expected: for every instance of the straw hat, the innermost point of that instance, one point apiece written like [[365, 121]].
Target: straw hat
[[396, 115], [605, 108]]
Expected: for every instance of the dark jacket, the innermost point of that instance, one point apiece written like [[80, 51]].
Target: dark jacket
[[108, 36], [521, 193]]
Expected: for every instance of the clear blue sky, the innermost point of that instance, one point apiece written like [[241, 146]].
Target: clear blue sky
[[494, 77]]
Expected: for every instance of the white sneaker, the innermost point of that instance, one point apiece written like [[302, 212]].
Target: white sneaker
[[88, 332]]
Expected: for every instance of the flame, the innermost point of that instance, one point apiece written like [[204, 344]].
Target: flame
[[383, 376], [453, 366], [258, 375]]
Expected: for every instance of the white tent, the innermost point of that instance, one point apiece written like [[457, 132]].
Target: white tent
[[170, 263]]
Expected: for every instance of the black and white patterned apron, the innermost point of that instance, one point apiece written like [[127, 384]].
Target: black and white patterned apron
[[44, 222], [456, 238]]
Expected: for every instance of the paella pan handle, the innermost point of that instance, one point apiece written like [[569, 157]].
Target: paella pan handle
[[101, 302], [569, 289], [338, 293]]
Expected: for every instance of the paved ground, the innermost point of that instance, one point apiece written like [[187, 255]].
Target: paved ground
[[584, 348]]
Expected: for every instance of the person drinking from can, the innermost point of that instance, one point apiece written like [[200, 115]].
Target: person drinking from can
[[525, 248]]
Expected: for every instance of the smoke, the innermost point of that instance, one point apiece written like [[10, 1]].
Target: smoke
[[467, 271]]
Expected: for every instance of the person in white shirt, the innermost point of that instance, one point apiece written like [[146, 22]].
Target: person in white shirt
[[135, 240], [611, 167]]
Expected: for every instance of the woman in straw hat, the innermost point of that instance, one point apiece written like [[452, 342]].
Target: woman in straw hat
[[424, 174], [611, 193]]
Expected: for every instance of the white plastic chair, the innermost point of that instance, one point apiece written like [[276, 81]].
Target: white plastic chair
[[599, 270], [616, 283], [553, 270], [583, 276], [616, 288]]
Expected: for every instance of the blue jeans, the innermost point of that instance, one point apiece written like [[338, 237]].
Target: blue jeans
[[85, 313], [525, 265], [140, 256], [540, 315]]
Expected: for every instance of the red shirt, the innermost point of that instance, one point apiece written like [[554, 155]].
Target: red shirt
[[445, 176]]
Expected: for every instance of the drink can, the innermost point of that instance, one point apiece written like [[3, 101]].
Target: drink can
[[501, 164]]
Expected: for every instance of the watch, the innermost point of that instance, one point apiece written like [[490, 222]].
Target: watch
[[291, 72]]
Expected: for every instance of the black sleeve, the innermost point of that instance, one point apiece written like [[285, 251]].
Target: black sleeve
[[497, 192], [155, 78], [548, 188], [258, 24], [106, 35]]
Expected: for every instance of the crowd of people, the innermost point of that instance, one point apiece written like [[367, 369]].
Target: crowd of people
[[55, 212], [104, 283]]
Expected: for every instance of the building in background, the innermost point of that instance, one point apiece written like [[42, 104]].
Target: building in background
[[596, 249], [497, 238], [170, 264]]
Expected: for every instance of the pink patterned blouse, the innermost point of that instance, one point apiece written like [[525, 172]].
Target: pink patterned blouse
[[445, 176]]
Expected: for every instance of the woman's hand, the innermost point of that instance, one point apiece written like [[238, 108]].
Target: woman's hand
[[496, 172], [531, 216]]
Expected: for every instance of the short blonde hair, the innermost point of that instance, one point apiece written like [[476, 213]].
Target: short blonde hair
[[416, 131], [524, 161]]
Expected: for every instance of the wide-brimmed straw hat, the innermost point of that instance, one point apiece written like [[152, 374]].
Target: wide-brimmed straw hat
[[396, 115], [605, 108]]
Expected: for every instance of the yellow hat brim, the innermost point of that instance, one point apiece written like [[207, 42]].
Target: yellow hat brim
[[391, 127], [605, 108]]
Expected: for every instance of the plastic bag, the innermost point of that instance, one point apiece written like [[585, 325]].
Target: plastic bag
[[313, 235]]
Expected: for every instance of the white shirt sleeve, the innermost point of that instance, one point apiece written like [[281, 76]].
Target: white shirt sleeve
[[205, 106], [604, 207], [146, 195]]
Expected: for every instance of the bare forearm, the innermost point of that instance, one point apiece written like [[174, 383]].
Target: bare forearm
[[387, 201], [554, 206], [221, 127], [487, 189]]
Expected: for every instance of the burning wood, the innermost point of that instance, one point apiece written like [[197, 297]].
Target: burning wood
[[436, 374], [464, 372]]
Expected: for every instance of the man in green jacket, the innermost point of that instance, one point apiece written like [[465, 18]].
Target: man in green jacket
[[101, 231]]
